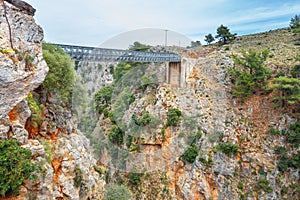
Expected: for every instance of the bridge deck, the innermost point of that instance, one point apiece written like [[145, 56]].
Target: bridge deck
[[116, 55]]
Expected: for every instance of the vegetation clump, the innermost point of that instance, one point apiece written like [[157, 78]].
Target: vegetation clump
[[120, 192], [286, 161], [137, 46], [252, 75], [263, 184], [103, 98], [143, 120], [293, 134], [116, 135], [135, 178], [174, 116], [36, 109], [289, 89], [15, 167], [190, 153], [228, 148], [78, 177], [61, 76]]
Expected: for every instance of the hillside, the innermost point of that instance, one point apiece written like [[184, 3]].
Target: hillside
[[235, 140], [122, 131]]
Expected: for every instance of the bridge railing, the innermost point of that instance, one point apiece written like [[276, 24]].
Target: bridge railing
[[117, 55]]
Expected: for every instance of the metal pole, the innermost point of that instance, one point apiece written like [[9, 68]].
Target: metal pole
[[166, 37]]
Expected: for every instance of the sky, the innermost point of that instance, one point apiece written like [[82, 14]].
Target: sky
[[93, 22]]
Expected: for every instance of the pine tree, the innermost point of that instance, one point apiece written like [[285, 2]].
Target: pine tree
[[289, 88], [224, 35], [252, 75], [295, 22], [209, 38]]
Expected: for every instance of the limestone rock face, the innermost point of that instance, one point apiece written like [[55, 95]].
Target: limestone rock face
[[208, 107], [22, 69], [68, 170], [64, 154]]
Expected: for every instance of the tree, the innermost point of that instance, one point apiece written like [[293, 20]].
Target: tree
[[209, 38], [252, 75], [137, 46], [61, 76], [116, 135], [289, 88], [103, 98], [295, 22], [195, 44], [224, 35]]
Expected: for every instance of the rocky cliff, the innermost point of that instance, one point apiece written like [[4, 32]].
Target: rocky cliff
[[64, 154], [198, 141], [236, 141]]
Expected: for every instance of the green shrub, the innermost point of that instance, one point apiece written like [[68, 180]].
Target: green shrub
[[174, 116], [121, 69], [111, 117], [273, 131], [286, 161], [190, 153], [293, 134], [135, 178], [115, 135], [295, 71], [100, 170], [228, 148], [143, 120], [146, 81], [240, 186], [280, 150], [263, 184], [131, 99], [117, 192], [78, 177], [15, 167], [103, 98], [36, 110], [283, 163], [61, 76], [209, 162]]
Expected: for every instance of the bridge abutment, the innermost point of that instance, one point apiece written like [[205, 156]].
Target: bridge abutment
[[177, 73], [174, 74]]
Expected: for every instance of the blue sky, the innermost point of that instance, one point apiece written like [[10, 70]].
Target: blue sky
[[95, 21]]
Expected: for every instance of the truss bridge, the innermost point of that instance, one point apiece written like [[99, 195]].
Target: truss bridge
[[80, 53]]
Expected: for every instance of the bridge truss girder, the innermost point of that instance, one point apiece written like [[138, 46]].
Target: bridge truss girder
[[81, 53]]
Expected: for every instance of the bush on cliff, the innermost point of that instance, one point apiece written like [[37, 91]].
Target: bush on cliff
[[190, 153], [15, 167], [174, 117], [251, 74], [119, 192], [61, 76]]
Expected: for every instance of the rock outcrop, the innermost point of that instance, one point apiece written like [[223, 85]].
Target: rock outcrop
[[63, 153], [22, 68]]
